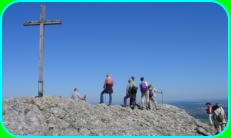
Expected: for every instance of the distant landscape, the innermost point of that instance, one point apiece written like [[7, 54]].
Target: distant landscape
[[197, 108]]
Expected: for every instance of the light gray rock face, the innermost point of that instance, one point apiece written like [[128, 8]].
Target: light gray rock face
[[57, 116]]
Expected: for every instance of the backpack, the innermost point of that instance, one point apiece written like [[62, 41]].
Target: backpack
[[220, 116], [150, 93], [143, 87]]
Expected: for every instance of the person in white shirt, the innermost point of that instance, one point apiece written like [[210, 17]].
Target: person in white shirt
[[144, 93], [76, 95], [152, 96]]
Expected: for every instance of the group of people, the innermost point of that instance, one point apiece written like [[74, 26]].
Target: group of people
[[217, 117], [147, 92]]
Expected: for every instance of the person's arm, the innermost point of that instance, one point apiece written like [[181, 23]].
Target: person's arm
[[72, 97], [105, 82], [112, 82], [157, 91]]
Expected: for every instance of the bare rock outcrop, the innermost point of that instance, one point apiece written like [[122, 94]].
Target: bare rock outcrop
[[58, 116]]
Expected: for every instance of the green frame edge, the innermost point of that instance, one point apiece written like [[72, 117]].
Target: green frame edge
[[225, 4]]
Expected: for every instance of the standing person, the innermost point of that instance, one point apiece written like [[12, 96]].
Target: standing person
[[152, 96], [144, 93], [133, 92], [76, 95], [108, 84], [128, 89], [209, 111], [133, 81], [219, 118]]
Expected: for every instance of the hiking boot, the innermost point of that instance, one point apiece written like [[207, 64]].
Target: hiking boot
[[132, 107], [148, 108]]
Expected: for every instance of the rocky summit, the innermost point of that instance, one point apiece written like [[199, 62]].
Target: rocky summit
[[58, 116]]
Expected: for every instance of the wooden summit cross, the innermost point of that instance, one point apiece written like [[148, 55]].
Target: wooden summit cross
[[42, 22]]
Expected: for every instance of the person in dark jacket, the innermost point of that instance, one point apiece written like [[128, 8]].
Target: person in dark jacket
[[132, 95], [108, 84], [128, 88]]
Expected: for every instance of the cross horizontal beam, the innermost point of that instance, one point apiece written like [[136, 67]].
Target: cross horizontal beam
[[46, 22]]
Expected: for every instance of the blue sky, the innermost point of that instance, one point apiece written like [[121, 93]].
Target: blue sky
[[181, 48]]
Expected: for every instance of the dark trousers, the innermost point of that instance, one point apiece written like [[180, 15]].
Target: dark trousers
[[101, 97], [132, 102], [125, 99]]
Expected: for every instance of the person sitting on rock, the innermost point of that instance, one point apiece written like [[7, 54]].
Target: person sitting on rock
[[209, 111], [76, 95], [219, 118], [152, 96], [108, 84]]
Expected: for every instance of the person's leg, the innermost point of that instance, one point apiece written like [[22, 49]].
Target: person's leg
[[135, 101], [110, 98], [219, 128], [154, 101], [216, 126], [210, 119], [223, 126], [132, 103], [147, 99], [150, 101], [142, 100], [125, 100], [101, 97]]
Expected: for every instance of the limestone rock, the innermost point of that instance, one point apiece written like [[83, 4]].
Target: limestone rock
[[57, 116]]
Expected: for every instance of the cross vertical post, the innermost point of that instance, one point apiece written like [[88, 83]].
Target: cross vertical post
[[42, 23], [41, 45]]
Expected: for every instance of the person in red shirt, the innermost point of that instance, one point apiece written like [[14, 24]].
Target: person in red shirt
[[209, 111], [108, 84]]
